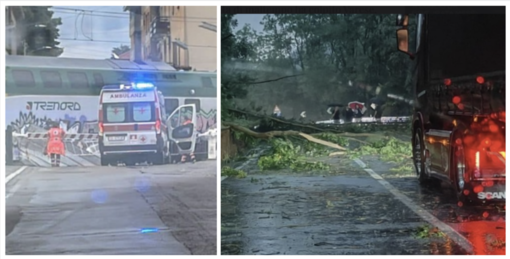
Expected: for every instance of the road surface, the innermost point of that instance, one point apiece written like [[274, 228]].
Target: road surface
[[155, 210], [348, 212]]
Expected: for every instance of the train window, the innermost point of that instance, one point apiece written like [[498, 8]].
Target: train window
[[171, 105], [207, 82], [51, 79], [23, 78], [98, 80], [78, 79], [193, 101]]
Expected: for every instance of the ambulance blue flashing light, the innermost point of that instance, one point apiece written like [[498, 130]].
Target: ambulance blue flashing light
[[143, 85], [134, 86], [138, 86]]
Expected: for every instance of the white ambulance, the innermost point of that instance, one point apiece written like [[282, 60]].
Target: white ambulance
[[133, 125]]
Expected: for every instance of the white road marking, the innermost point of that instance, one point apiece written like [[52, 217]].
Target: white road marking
[[11, 176], [425, 215]]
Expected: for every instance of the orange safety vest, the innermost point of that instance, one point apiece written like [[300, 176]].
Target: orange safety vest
[[56, 141]]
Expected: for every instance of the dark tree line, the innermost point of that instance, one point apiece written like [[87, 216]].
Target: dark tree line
[[305, 61]]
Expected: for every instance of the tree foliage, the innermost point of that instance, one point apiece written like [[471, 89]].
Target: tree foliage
[[121, 49], [337, 58], [27, 19]]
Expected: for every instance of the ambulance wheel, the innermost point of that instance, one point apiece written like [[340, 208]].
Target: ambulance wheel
[[105, 161], [159, 158]]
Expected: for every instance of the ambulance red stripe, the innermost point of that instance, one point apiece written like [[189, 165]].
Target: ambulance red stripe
[[128, 127]]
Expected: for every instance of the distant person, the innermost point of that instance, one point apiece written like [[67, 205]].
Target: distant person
[[55, 147], [336, 115], [302, 116], [377, 112], [276, 111], [358, 113], [349, 114], [187, 121]]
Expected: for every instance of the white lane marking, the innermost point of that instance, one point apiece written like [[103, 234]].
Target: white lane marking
[[11, 176], [425, 215]]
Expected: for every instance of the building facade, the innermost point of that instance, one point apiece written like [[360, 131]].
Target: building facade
[[183, 36], [12, 39]]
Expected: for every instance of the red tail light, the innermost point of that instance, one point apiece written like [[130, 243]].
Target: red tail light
[[158, 126], [101, 128], [447, 82], [480, 80]]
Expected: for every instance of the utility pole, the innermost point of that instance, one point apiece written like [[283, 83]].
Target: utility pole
[[135, 14]]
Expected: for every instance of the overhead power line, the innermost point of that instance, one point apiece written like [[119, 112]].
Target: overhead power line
[[124, 15]]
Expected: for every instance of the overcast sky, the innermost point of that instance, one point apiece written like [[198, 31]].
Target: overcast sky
[[107, 23], [252, 19], [104, 23]]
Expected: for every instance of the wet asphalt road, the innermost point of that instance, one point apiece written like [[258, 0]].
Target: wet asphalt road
[[164, 210], [344, 213]]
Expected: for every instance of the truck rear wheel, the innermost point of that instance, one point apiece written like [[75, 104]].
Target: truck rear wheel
[[419, 155]]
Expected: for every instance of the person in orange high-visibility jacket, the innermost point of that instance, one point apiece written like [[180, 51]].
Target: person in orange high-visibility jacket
[[192, 155], [55, 147]]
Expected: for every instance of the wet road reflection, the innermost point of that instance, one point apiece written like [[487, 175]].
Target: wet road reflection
[[348, 214], [483, 225]]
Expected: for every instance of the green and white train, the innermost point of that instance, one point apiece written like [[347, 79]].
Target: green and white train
[[67, 89]]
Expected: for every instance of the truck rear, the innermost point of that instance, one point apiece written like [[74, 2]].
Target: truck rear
[[459, 108]]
